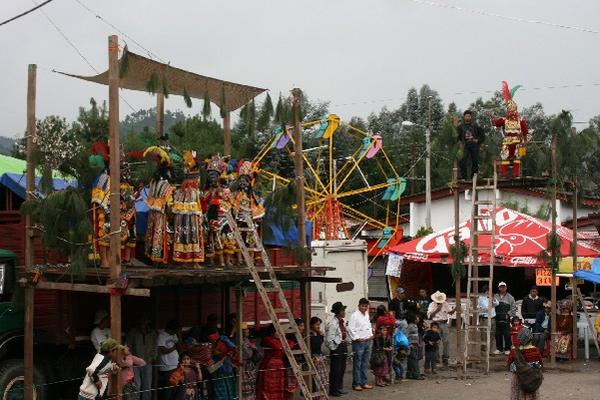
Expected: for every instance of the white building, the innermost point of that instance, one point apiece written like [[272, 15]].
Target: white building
[[530, 201]]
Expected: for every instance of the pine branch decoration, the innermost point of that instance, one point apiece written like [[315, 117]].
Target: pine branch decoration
[[124, 63], [206, 111], [165, 87], [152, 83], [223, 102], [187, 98]]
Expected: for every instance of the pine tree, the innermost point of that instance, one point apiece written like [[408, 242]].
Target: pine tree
[[265, 114]]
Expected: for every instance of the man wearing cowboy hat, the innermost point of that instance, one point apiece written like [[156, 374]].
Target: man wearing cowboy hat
[[439, 311], [336, 339]]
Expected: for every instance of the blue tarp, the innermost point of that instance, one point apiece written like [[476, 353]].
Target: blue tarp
[[16, 183], [593, 275]]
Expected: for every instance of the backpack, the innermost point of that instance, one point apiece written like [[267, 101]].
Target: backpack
[[530, 378]]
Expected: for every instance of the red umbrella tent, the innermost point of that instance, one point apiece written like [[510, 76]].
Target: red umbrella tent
[[519, 240]]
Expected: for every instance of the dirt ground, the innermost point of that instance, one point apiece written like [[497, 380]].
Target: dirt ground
[[579, 381]]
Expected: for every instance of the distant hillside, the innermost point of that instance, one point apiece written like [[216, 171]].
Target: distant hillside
[[6, 145]]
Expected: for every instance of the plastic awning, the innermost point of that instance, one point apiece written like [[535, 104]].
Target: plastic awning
[[592, 275], [16, 183], [519, 240]]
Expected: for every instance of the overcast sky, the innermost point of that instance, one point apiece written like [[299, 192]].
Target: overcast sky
[[352, 53]]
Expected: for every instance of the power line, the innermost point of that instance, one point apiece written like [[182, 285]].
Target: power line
[[84, 58], [25, 13], [95, 14], [506, 17]]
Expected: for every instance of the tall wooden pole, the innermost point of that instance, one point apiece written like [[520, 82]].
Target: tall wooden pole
[[160, 113], [573, 280], [239, 340], [29, 290], [457, 288], [115, 188], [553, 284], [227, 134], [299, 164]]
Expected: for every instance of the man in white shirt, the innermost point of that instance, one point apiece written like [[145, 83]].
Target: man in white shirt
[[439, 311], [102, 331], [483, 302], [360, 332], [168, 342]]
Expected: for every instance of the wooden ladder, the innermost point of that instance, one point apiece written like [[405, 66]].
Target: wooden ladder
[[482, 224], [297, 358]]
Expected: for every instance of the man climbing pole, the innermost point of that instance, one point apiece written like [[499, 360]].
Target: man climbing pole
[[515, 134], [471, 136]]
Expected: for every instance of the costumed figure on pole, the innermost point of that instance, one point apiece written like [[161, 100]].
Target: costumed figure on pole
[[100, 203], [128, 198], [159, 200], [188, 239], [212, 201], [514, 134], [246, 203]]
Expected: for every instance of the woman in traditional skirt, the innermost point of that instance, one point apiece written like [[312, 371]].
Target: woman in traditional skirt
[[316, 350], [291, 382], [188, 241], [270, 384], [251, 359], [532, 356], [222, 378], [564, 336], [381, 358], [160, 198]]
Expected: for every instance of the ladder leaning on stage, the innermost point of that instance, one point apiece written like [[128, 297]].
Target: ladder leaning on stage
[[297, 358], [483, 224]]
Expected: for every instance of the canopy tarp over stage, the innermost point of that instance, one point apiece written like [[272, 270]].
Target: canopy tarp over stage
[[137, 71], [519, 240]]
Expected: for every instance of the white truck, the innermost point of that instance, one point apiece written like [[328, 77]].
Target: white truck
[[349, 258]]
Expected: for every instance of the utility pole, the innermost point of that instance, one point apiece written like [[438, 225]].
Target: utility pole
[[115, 190], [553, 284], [29, 260], [299, 167], [227, 134], [428, 169], [160, 113]]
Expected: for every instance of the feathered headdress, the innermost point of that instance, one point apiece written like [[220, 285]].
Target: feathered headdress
[[246, 168], [508, 95], [158, 154]]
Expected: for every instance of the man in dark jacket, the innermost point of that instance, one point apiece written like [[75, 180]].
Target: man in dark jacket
[[471, 137], [531, 305]]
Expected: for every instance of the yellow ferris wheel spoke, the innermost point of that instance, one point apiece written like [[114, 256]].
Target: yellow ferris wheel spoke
[[309, 165], [356, 165], [286, 180], [354, 213]]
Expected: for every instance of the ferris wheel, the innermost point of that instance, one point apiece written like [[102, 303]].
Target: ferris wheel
[[347, 170]]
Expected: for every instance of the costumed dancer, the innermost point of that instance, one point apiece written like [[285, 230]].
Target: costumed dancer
[[159, 200], [211, 206], [515, 133], [128, 231], [246, 203], [188, 240], [100, 203]]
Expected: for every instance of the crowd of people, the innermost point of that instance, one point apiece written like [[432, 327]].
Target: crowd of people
[[391, 344]]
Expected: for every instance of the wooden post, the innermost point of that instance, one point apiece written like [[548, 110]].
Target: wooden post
[[160, 113], [227, 134], [573, 280], [299, 167], [457, 286], [239, 306], [115, 187], [29, 260], [553, 284]]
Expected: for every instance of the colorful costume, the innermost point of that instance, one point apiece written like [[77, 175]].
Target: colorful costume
[[188, 240], [515, 134], [159, 200], [246, 203], [222, 385], [128, 231], [100, 204], [212, 203]]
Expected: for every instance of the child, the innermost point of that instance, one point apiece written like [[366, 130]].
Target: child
[[401, 350], [96, 377], [186, 378], [130, 389], [432, 340], [515, 327], [412, 332], [380, 361]]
